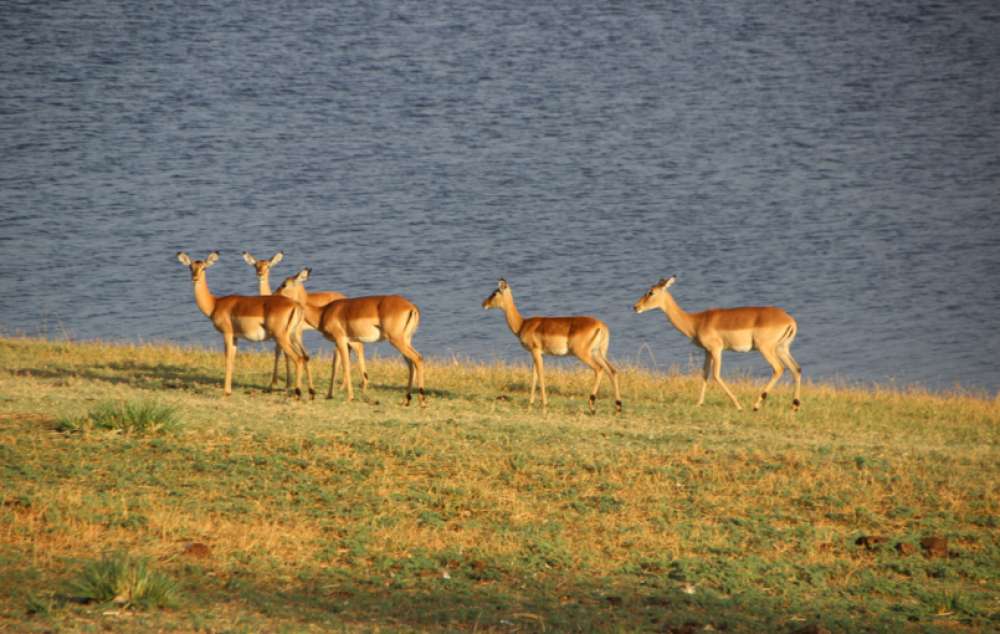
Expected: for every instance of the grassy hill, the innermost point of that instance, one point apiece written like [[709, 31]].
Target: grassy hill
[[135, 498]]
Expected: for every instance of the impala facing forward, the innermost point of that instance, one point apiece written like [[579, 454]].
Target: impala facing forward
[[318, 299], [586, 338], [249, 317], [768, 329]]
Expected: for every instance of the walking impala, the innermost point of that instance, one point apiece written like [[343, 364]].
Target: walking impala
[[249, 317], [364, 319], [768, 329], [319, 299], [586, 338]]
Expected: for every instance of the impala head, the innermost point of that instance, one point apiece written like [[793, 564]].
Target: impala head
[[262, 267], [292, 286], [198, 267], [498, 297], [654, 295]]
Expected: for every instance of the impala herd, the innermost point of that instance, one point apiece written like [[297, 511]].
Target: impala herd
[[352, 322]]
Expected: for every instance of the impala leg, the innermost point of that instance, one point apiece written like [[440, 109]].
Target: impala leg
[[343, 381], [416, 366], [717, 373], [288, 347], [274, 373], [359, 352], [345, 360], [333, 372], [613, 373], [598, 369], [534, 381], [540, 370], [288, 373], [706, 373], [301, 349], [796, 370], [777, 370], [230, 343]]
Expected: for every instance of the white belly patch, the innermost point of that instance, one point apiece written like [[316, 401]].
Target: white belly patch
[[255, 334], [368, 335]]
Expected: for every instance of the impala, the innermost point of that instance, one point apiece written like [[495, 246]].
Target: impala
[[768, 329], [320, 298], [392, 318], [586, 338], [254, 318]]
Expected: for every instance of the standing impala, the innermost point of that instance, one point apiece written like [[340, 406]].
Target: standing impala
[[318, 299], [586, 338], [364, 319], [249, 317], [768, 329]]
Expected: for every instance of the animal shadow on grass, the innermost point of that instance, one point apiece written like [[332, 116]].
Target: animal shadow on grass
[[401, 389], [142, 375], [432, 602]]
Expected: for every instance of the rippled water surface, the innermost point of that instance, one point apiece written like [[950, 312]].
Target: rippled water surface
[[841, 160]]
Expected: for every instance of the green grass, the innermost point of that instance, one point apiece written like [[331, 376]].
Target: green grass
[[479, 513], [125, 581], [141, 417]]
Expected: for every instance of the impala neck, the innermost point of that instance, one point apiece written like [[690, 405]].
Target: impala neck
[[514, 319], [264, 284], [681, 320], [203, 297], [312, 314]]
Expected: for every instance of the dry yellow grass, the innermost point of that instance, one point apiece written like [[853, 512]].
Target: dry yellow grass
[[478, 508]]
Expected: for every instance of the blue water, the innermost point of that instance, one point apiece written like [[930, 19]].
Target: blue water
[[841, 160]]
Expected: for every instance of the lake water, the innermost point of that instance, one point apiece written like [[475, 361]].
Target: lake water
[[839, 159]]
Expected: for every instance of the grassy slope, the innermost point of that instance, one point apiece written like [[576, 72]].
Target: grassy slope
[[480, 513]]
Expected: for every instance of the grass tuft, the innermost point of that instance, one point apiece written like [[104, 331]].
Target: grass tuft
[[126, 581], [143, 417]]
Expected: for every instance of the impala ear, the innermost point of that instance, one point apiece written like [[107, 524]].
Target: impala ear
[[277, 257], [667, 282], [303, 275], [249, 259], [183, 258], [502, 284], [212, 258]]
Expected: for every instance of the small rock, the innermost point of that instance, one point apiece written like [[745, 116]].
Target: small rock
[[871, 542], [934, 546], [811, 628], [689, 627], [905, 549], [197, 550]]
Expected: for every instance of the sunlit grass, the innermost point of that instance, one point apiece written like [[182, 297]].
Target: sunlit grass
[[479, 512], [140, 417]]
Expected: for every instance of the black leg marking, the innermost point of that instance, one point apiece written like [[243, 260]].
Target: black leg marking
[[763, 396], [618, 406], [365, 375], [312, 394], [796, 402], [298, 393]]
